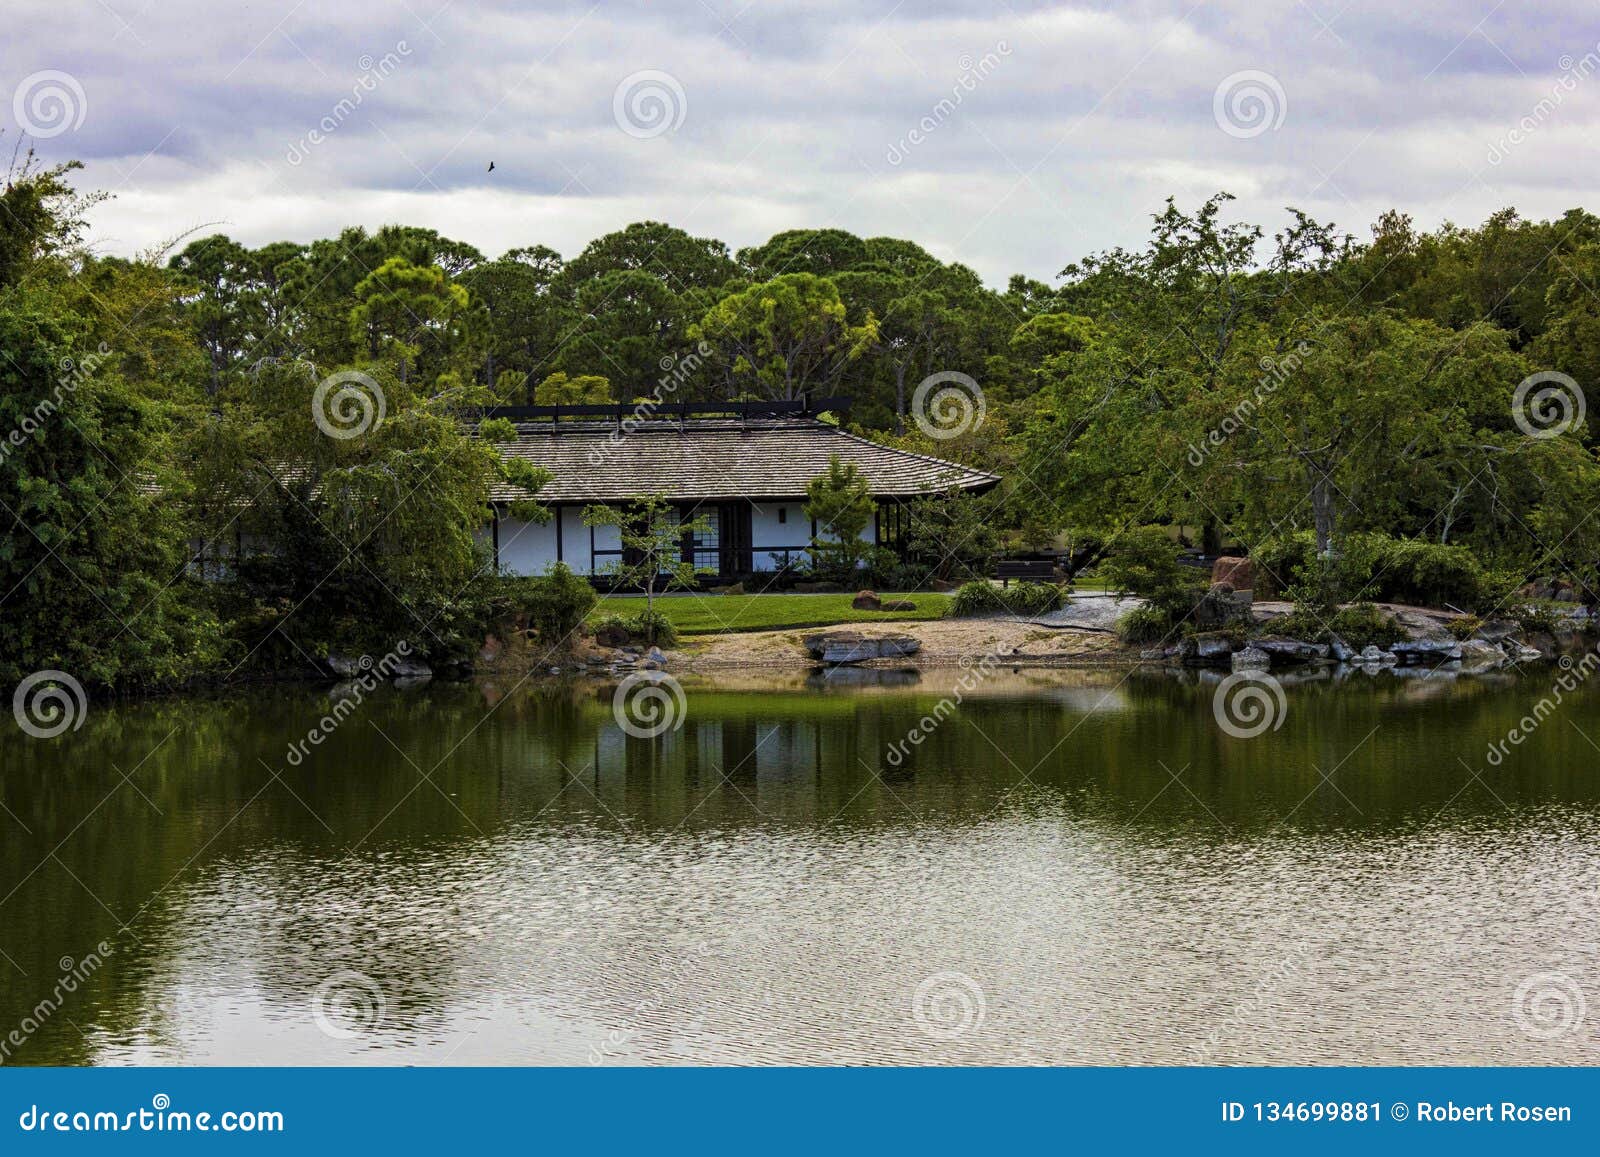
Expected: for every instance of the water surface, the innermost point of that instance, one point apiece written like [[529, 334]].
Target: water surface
[[1068, 868]]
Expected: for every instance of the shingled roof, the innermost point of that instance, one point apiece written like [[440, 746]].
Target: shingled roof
[[716, 459]]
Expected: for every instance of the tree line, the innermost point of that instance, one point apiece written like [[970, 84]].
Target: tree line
[[1237, 385]]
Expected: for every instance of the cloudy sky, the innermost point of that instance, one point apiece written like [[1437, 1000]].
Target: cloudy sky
[[1014, 136]]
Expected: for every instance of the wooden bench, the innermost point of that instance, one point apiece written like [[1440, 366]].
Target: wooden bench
[[1025, 570]]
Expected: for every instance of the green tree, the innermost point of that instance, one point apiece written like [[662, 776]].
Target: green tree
[[655, 554], [841, 504]]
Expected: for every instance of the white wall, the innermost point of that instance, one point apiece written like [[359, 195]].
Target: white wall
[[527, 548], [767, 533]]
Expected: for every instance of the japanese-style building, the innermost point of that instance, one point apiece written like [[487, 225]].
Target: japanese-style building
[[743, 467]]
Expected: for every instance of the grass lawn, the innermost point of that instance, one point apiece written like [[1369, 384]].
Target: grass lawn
[[725, 614]]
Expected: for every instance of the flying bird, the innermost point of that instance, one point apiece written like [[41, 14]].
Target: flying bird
[[491, 166]]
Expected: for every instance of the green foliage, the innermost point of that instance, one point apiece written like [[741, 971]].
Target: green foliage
[[1465, 627], [652, 533], [1147, 624], [841, 503], [1145, 561], [1024, 600], [1357, 626], [583, 390], [552, 605]]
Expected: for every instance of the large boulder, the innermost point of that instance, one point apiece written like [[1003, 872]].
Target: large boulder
[[1427, 651], [1238, 573], [1209, 647], [1251, 659], [840, 647], [1291, 650], [897, 605], [867, 601], [1481, 655], [612, 635]]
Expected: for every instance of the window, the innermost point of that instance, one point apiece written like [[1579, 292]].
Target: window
[[783, 515], [706, 547]]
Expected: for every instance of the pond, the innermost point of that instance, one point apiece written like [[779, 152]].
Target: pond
[[956, 867]]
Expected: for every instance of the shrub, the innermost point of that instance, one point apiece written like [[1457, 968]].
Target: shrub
[[1144, 625], [553, 604], [1024, 599], [1465, 627], [1144, 560], [1284, 562], [1356, 626], [1429, 573], [1537, 617], [654, 628]]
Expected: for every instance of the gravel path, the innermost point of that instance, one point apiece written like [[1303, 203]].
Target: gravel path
[[1090, 613]]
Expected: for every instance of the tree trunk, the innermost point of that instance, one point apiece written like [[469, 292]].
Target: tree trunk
[[1322, 509], [899, 398]]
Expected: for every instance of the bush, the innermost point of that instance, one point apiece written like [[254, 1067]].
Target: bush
[[1283, 563], [1356, 626], [1429, 573], [1465, 627], [1144, 560], [1144, 625], [654, 628], [553, 605], [1024, 599]]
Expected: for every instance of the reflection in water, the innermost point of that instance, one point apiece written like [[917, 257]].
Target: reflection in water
[[493, 874]]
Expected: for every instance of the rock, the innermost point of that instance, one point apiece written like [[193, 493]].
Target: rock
[[651, 665], [411, 669], [1341, 652], [1495, 630], [1480, 655], [1290, 650], [342, 666], [1209, 647], [555, 670], [1251, 659], [836, 647], [735, 589], [612, 635], [1238, 573], [897, 605], [1152, 654], [1565, 595], [1371, 654], [1518, 652], [654, 655], [866, 601], [1427, 650]]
